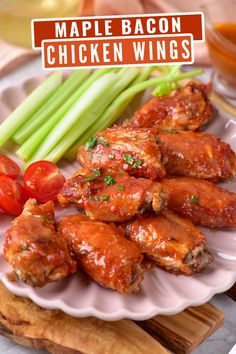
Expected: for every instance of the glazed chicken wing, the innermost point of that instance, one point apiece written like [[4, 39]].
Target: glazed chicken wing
[[134, 150], [198, 155], [186, 109], [175, 244], [202, 202], [104, 253], [37, 253], [110, 196]]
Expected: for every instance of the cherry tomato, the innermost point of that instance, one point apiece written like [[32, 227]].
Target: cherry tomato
[[8, 167], [43, 181], [12, 196]]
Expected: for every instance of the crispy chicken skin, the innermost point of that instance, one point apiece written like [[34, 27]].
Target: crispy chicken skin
[[134, 150], [37, 253], [186, 109], [175, 244], [200, 201], [198, 155], [106, 195], [104, 253]]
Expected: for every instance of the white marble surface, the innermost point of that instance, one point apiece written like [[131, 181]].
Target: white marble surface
[[221, 342]]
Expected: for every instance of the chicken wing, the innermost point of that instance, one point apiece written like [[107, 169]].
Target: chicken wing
[[175, 244], [106, 195], [198, 155], [200, 201], [186, 109], [104, 253], [37, 253], [134, 150]]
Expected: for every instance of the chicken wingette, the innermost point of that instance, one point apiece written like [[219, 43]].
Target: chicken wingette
[[188, 108], [33, 247], [173, 243], [197, 155], [202, 202], [134, 150], [104, 253], [108, 195]]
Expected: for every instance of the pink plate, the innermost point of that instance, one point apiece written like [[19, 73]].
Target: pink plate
[[161, 292]]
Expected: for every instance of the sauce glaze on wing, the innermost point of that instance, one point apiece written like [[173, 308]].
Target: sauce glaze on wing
[[200, 201], [134, 150], [188, 108], [104, 253], [198, 155], [36, 251], [108, 195], [173, 243]]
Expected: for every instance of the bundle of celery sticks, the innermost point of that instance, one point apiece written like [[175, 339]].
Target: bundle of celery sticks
[[59, 116]]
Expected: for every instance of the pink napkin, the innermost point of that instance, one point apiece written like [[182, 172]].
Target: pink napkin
[[12, 56], [120, 7]]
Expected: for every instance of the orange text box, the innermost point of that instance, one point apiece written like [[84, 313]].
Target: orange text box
[[110, 26], [118, 51]]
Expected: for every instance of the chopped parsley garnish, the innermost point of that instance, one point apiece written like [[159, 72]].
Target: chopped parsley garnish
[[91, 157], [194, 199], [44, 218], [111, 156], [109, 180], [102, 141], [97, 199], [24, 247], [90, 198], [120, 188], [96, 174], [171, 131], [105, 197], [137, 164], [128, 158], [91, 143]]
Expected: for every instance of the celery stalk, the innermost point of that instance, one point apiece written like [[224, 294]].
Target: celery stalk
[[126, 77], [44, 113], [22, 113], [114, 111], [95, 99], [31, 144], [97, 126]]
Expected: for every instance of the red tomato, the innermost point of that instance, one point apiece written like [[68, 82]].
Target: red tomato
[[12, 196], [43, 181], [8, 167]]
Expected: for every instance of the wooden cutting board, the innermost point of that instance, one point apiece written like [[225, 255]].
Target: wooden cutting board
[[28, 324]]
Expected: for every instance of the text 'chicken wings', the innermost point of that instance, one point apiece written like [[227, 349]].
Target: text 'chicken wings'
[[134, 150], [186, 109], [198, 155], [110, 196], [200, 201], [104, 253], [37, 253], [175, 244]]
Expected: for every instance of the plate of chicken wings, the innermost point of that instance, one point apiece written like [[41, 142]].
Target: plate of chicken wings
[[146, 219]]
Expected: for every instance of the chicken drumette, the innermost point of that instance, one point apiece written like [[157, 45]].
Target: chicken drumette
[[197, 155], [104, 253], [36, 251], [202, 202], [186, 109], [110, 196], [173, 243], [134, 150]]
